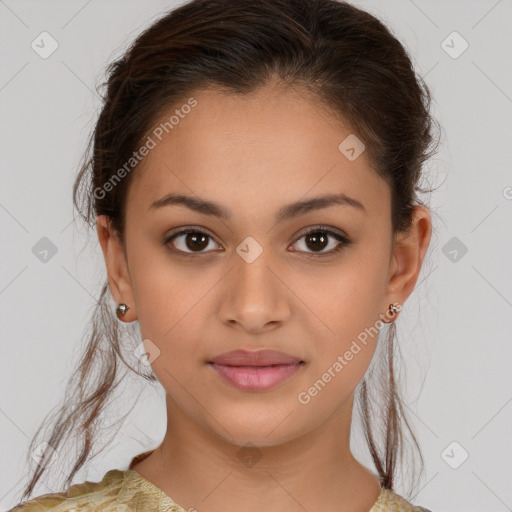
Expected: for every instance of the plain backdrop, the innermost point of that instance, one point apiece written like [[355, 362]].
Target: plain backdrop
[[454, 331]]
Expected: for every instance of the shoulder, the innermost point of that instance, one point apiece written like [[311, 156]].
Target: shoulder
[[390, 501], [106, 494]]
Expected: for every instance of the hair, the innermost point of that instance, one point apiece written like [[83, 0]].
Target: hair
[[347, 59]]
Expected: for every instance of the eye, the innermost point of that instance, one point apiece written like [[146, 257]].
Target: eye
[[194, 239], [318, 238]]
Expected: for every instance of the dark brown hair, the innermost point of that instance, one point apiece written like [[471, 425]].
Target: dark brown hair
[[342, 56]]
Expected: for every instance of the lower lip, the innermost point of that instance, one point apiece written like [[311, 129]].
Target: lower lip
[[256, 378]]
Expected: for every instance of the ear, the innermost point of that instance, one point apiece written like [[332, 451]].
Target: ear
[[407, 257], [117, 266]]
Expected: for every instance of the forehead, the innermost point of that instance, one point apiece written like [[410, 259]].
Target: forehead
[[270, 147]]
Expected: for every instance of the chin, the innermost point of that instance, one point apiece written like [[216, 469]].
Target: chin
[[258, 429]]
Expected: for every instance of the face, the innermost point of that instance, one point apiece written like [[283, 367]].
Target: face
[[252, 278]]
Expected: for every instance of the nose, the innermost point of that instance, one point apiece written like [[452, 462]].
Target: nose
[[255, 297]]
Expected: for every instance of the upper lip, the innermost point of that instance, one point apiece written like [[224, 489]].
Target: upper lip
[[254, 358]]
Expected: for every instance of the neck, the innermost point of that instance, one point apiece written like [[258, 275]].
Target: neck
[[199, 470]]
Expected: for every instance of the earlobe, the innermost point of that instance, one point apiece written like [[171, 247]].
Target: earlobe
[[408, 256], [117, 267]]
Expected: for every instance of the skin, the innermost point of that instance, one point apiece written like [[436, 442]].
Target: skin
[[254, 154]]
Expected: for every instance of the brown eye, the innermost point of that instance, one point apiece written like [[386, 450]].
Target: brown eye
[[317, 239], [190, 241]]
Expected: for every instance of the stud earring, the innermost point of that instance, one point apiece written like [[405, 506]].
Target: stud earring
[[121, 310], [393, 309]]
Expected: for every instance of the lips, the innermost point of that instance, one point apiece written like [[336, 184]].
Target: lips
[[252, 358], [255, 371]]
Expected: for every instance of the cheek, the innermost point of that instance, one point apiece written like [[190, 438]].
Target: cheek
[[348, 296], [348, 308], [165, 300], [173, 307], [162, 288]]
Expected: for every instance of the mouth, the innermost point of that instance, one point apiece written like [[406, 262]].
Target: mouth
[[256, 377], [263, 357]]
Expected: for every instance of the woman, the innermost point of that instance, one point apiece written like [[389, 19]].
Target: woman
[[254, 183]]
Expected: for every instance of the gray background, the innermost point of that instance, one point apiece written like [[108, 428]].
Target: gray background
[[454, 331]]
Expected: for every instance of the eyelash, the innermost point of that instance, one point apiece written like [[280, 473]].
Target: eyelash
[[343, 241]]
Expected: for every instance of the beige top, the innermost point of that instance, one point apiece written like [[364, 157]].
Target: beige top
[[126, 491]]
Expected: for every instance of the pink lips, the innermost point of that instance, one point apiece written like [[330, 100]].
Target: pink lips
[[255, 371]]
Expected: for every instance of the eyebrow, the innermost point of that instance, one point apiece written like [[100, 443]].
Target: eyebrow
[[286, 212]]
